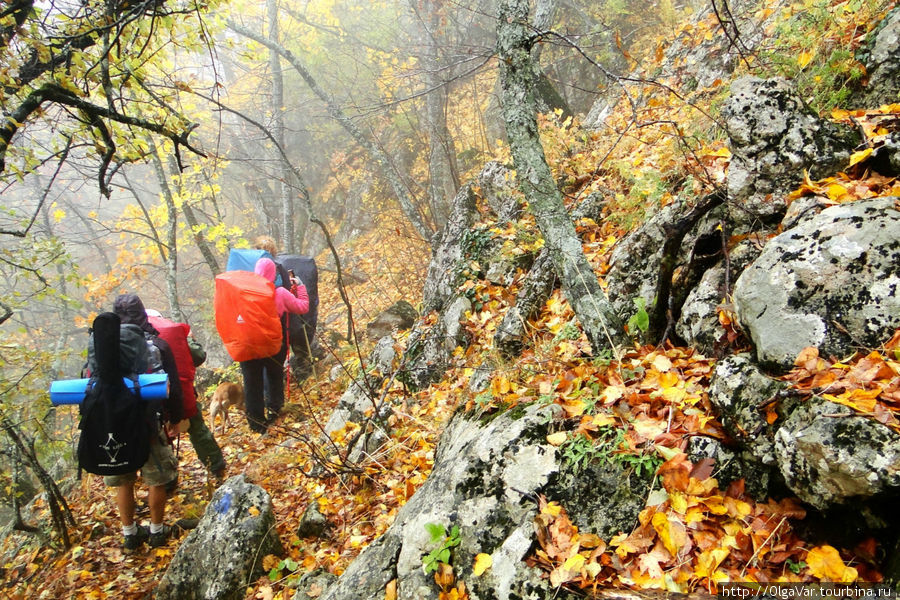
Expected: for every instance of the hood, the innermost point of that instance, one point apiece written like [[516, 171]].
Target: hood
[[130, 309], [266, 268]]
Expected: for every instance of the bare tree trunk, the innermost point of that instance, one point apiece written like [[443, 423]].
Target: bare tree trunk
[[517, 75], [287, 208], [443, 175], [170, 255], [387, 169]]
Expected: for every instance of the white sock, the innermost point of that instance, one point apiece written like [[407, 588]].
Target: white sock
[[130, 529], [156, 527]]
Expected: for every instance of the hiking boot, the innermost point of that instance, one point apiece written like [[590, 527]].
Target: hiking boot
[[133, 542], [161, 537]]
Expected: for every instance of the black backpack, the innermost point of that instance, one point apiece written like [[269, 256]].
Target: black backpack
[[115, 423], [304, 267]]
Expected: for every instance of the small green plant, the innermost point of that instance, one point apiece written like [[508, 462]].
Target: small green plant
[[287, 563], [579, 451], [644, 465], [795, 567], [641, 319], [609, 446], [569, 331], [446, 541]]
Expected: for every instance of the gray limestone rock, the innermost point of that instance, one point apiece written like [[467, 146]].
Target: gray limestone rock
[[774, 137], [216, 559], [883, 63], [829, 454], [833, 282]]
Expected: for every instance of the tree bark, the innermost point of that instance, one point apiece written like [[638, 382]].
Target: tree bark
[[287, 208], [443, 177], [170, 258], [517, 80]]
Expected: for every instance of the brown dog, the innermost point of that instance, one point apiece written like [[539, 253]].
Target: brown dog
[[226, 395]]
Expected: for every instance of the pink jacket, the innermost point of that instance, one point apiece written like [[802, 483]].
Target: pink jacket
[[285, 301]]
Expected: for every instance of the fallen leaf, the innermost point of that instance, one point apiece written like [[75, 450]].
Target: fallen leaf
[[483, 562]]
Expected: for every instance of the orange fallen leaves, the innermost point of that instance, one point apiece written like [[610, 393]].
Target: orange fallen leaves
[[869, 384]]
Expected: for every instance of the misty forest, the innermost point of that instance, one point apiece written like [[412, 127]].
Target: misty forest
[[605, 299]]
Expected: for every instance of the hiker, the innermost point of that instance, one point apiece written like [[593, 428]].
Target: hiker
[[161, 470], [301, 330], [269, 371], [178, 336]]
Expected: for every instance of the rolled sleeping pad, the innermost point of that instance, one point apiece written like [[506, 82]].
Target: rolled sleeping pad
[[154, 386]]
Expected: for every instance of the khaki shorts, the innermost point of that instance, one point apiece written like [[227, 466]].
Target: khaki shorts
[[161, 468]]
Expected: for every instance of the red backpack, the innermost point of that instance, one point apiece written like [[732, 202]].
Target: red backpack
[[175, 334], [246, 317]]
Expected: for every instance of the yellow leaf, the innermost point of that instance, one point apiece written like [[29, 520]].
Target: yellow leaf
[[390, 590], [556, 439], [602, 420], [612, 393], [253, 511], [664, 529], [825, 563], [553, 509], [709, 561], [574, 563], [860, 156], [836, 191], [483, 562], [59, 215], [804, 58]]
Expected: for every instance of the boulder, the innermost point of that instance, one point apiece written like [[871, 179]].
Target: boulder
[[536, 289], [399, 316], [498, 188], [429, 350], [486, 478], [217, 559], [828, 454], [356, 404], [832, 282], [634, 263], [738, 392], [313, 523], [448, 257], [883, 62], [774, 136], [698, 325]]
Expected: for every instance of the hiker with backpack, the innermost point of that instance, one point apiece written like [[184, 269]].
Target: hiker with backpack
[[187, 359], [122, 433], [130, 309], [268, 371], [301, 329]]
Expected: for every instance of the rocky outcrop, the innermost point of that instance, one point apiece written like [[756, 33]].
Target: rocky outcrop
[[536, 289], [774, 137], [399, 316], [429, 349], [449, 253], [829, 454], [485, 480], [698, 324], [882, 62], [498, 187], [832, 282], [739, 392], [216, 559]]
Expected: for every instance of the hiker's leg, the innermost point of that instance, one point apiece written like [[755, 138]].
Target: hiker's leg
[[252, 370], [208, 450], [157, 501], [275, 378], [125, 503], [160, 472]]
